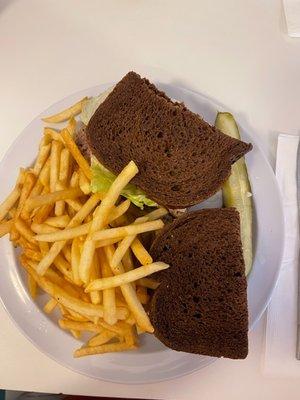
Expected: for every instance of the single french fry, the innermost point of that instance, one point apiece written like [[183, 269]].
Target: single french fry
[[51, 198], [140, 252], [64, 115], [101, 217], [127, 230], [32, 286], [103, 243], [76, 220], [105, 348], [36, 191], [96, 296], [75, 334], [44, 176], [51, 134], [130, 295], [64, 267], [79, 326], [74, 181], [126, 277], [127, 261], [148, 283], [101, 338], [5, 227], [75, 204], [75, 260], [43, 228], [72, 146], [56, 148], [67, 253], [74, 316], [59, 221], [33, 255], [50, 306], [42, 214], [24, 230], [64, 171], [29, 182], [109, 296], [9, 202], [84, 182], [42, 157]]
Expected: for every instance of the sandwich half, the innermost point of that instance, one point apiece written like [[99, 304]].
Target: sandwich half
[[201, 304], [182, 160]]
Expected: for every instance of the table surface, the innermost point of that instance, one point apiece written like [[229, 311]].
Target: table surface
[[236, 51]]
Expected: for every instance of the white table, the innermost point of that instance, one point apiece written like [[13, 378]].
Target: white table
[[236, 51]]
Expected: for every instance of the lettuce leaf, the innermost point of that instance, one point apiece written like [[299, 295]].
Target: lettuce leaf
[[91, 105], [102, 178]]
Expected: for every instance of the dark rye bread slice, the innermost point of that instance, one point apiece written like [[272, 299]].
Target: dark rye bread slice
[[182, 160], [201, 304]]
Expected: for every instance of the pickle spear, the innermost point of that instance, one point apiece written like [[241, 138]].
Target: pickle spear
[[236, 190]]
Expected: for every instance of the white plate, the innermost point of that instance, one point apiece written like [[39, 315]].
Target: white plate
[[152, 362]]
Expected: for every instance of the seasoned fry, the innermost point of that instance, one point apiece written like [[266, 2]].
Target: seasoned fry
[[130, 295], [105, 348], [5, 227], [36, 190], [67, 113], [42, 157], [50, 306], [42, 214], [51, 198], [109, 295], [74, 181], [59, 221], [128, 230], [126, 277], [101, 217], [76, 220], [71, 145], [140, 252]]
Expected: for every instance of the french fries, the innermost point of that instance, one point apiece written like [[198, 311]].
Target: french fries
[[126, 277], [66, 114], [67, 236]]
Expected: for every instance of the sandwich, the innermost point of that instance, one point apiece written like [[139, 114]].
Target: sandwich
[[182, 160], [201, 304]]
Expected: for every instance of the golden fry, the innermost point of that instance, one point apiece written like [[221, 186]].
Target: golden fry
[[51, 198], [109, 295], [50, 306], [101, 338], [126, 277], [42, 157], [9, 202], [148, 283], [32, 286], [140, 252], [105, 348], [72, 146], [64, 115], [58, 222], [24, 230]]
